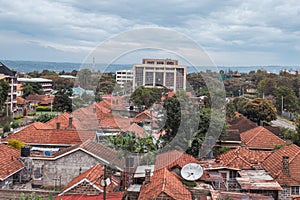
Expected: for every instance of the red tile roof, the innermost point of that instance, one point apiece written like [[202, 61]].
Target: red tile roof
[[274, 165], [109, 196], [241, 124], [164, 181], [20, 101], [51, 136], [63, 119], [93, 177], [136, 129], [243, 158], [173, 158], [261, 138], [9, 163]]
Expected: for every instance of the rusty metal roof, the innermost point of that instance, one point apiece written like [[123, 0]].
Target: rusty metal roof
[[257, 180]]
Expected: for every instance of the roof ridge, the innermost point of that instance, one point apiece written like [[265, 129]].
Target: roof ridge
[[164, 180], [262, 128], [296, 154]]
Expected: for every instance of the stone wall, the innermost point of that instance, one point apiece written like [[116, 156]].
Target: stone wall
[[56, 173]]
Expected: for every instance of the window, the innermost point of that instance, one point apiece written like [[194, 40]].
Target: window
[[295, 190], [150, 62], [160, 62]]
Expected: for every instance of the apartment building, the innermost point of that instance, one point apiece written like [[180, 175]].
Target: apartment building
[[10, 77], [46, 83], [160, 73], [123, 77]]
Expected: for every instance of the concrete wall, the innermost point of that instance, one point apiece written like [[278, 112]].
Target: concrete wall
[[61, 171]]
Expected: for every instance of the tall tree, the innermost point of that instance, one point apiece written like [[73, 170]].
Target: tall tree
[[31, 88], [267, 86], [62, 101], [286, 96], [260, 110], [143, 96]]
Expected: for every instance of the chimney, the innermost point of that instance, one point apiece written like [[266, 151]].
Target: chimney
[[285, 165], [70, 120], [147, 176], [57, 125]]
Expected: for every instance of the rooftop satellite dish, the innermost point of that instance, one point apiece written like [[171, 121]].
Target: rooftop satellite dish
[[191, 171]]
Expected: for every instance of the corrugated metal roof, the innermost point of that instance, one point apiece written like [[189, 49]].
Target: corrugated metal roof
[[257, 180]]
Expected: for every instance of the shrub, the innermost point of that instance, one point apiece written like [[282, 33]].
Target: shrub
[[224, 149], [189, 183], [6, 128], [18, 117], [43, 108], [17, 144], [32, 114], [45, 117], [14, 124]]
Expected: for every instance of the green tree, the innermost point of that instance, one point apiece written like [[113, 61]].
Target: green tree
[[240, 104], [260, 110], [4, 87], [267, 86], [106, 84], [31, 88], [143, 96], [62, 101], [289, 99]]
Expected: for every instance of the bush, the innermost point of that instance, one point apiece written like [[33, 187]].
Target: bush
[[43, 108], [18, 117], [6, 128], [32, 114], [45, 117], [14, 124], [189, 183], [224, 149], [17, 144]]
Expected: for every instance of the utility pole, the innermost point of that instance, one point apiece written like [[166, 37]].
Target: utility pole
[[104, 187], [281, 104]]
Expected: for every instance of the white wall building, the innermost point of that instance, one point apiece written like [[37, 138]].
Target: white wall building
[[123, 77], [160, 73]]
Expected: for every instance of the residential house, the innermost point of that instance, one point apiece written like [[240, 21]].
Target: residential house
[[260, 138], [89, 183], [39, 99], [164, 185], [60, 168], [39, 135], [283, 166], [10, 166]]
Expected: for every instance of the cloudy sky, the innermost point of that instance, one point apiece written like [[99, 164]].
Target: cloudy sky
[[232, 32]]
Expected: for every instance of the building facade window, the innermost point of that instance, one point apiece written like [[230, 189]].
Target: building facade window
[[295, 190]]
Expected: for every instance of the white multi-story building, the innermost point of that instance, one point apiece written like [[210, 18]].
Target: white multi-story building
[[123, 77], [46, 83], [11, 78], [160, 73]]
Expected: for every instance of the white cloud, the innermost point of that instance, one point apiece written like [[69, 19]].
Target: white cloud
[[270, 27]]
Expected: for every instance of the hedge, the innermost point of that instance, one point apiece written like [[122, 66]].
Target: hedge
[[43, 108]]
